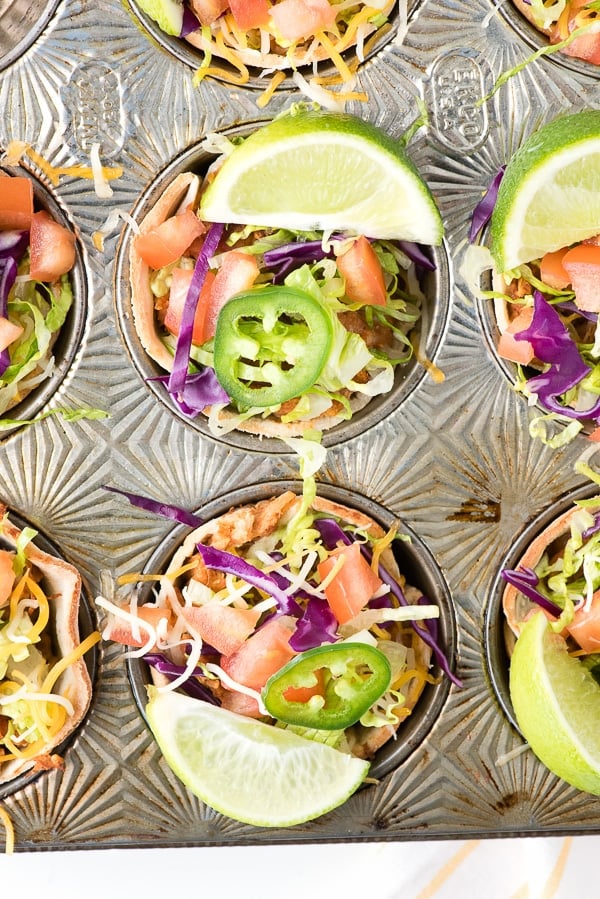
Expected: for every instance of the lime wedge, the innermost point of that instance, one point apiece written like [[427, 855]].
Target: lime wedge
[[557, 705], [168, 14], [550, 194], [315, 170], [246, 769]]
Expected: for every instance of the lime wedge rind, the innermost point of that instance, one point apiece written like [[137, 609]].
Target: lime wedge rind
[[247, 770], [557, 705], [550, 194], [318, 171]]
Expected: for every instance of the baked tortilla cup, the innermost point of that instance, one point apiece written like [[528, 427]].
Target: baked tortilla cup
[[239, 527], [551, 542], [143, 331], [62, 585], [35, 390], [142, 303]]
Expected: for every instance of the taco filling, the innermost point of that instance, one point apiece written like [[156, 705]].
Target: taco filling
[[546, 313], [36, 255], [570, 25], [291, 330], [271, 37], [292, 612], [45, 687]]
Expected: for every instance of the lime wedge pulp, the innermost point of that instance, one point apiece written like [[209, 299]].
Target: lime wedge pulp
[[549, 197], [557, 705], [245, 769], [315, 170]]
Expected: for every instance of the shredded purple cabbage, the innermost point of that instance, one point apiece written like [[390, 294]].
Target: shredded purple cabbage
[[190, 22], [416, 254], [318, 625], [200, 389], [331, 533], [570, 306], [553, 345], [285, 259], [191, 686], [174, 513], [484, 209], [526, 581], [177, 379], [593, 528], [13, 244], [8, 273], [220, 560]]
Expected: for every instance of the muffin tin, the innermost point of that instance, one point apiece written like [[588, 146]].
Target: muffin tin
[[453, 460]]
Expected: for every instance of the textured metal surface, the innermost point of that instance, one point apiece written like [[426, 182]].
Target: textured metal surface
[[453, 460]]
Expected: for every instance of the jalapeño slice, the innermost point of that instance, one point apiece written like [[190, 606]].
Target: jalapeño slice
[[271, 344], [329, 687]]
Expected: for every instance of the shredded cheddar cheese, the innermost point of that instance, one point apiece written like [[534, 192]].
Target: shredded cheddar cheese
[[267, 95], [356, 25], [17, 149]]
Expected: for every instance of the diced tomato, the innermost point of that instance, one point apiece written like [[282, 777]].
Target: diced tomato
[[586, 46], [224, 627], [264, 653], [9, 332], [552, 271], [362, 274], [121, 631], [238, 272], [209, 10], [51, 248], [250, 13], [594, 435], [582, 263], [297, 19], [180, 285], [16, 203], [7, 575], [303, 694], [585, 627], [168, 241], [240, 703], [354, 584], [517, 350]]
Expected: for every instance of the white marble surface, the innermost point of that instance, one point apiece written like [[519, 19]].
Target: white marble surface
[[532, 868]]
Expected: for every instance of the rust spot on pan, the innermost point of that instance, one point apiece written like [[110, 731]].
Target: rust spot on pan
[[480, 510]]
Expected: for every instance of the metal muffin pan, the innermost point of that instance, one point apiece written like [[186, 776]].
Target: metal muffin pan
[[453, 460]]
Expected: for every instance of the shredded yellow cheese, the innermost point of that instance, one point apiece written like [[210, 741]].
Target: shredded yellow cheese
[[64, 663], [9, 842], [17, 149], [382, 544], [436, 374], [43, 609], [267, 95]]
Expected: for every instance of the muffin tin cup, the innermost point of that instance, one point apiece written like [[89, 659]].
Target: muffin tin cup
[[498, 638], [21, 24], [415, 562], [68, 341], [432, 325], [87, 624]]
